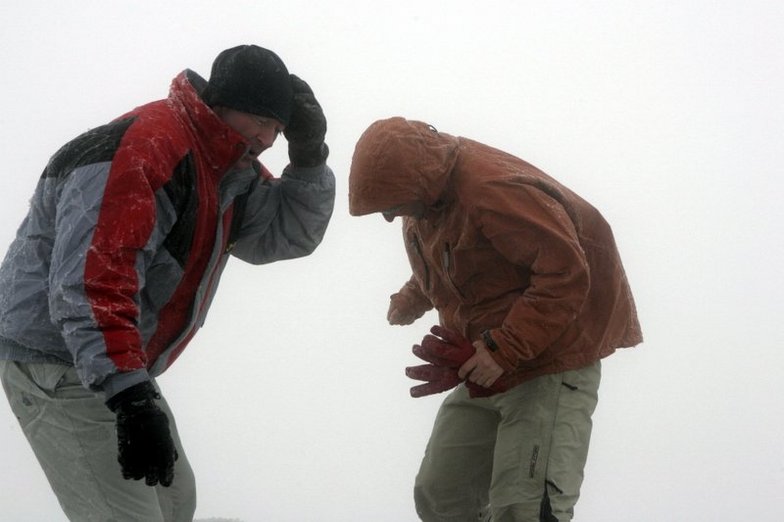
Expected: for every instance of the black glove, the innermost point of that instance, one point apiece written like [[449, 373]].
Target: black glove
[[307, 127], [145, 447]]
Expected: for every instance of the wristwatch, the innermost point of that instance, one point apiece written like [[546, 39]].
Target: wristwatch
[[489, 342]]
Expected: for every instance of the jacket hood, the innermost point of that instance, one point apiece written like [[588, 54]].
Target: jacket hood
[[398, 161]]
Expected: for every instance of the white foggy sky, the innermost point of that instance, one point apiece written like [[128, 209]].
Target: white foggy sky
[[292, 403]]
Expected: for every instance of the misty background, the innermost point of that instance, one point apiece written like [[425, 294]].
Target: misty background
[[292, 403]]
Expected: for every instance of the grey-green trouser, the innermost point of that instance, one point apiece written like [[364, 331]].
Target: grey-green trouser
[[72, 434], [516, 456]]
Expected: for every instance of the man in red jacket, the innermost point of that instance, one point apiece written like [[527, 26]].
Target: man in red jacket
[[531, 295], [114, 268]]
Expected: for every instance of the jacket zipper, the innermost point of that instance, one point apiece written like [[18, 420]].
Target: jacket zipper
[[414, 243], [446, 263]]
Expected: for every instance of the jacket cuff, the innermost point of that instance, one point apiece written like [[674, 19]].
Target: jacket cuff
[[120, 381], [307, 174], [497, 351]]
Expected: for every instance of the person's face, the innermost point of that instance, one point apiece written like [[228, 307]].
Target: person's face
[[259, 131], [415, 210]]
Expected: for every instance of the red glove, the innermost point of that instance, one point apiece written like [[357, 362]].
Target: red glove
[[444, 348], [446, 351], [438, 379]]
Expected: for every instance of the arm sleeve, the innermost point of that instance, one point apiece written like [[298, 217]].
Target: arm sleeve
[[410, 299], [533, 229], [286, 218], [103, 224]]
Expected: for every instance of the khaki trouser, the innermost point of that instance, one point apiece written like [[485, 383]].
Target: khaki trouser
[[516, 456], [72, 434]]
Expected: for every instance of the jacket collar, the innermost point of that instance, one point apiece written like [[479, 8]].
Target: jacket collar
[[220, 145]]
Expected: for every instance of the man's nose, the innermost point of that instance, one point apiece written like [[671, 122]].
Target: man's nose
[[267, 137]]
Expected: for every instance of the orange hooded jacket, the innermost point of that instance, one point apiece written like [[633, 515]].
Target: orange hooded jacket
[[502, 248]]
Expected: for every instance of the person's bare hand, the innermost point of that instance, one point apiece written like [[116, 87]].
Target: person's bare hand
[[481, 368]]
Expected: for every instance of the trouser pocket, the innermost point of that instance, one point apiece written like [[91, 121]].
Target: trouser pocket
[[29, 386]]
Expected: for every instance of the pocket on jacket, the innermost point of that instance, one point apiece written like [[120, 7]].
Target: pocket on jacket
[[448, 266], [416, 258]]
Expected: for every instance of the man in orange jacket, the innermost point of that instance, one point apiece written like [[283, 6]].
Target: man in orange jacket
[[531, 294]]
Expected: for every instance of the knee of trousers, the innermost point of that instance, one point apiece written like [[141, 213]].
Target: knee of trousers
[[439, 503]]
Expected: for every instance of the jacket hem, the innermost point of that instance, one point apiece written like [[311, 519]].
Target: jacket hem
[[13, 351]]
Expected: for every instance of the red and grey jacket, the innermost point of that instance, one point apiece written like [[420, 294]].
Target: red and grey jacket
[[131, 224]]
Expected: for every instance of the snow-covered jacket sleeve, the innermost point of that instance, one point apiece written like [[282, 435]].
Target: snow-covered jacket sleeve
[[104, 224], [534, 230], [286, 218]]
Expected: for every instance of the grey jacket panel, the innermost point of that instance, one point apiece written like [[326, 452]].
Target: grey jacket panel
[[287, 218]]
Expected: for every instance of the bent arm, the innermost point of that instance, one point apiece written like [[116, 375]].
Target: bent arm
[[103, 223], [532, 229], [287, 218]]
